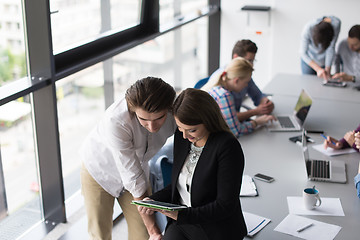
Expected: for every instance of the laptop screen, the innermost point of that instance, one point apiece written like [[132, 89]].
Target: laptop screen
[[302, 106], [305, 153]]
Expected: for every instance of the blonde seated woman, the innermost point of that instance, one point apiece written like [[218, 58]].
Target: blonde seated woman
[[236, 77]]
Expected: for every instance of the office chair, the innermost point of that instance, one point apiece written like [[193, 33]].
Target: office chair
[[166, 168], [160, 174], [201, 83]]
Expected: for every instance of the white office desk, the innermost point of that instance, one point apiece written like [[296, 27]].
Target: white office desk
[[273, 154], [291, 85]]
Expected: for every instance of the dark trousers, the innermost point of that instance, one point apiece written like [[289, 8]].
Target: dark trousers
[[184, 232]]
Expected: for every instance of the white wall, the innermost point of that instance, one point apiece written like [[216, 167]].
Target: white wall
[[280, 30]]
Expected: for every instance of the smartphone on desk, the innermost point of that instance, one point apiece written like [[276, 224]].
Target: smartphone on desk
[[263, 177], [334, 83], [297, 139]]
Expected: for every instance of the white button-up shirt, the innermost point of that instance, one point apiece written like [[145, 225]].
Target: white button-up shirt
[[117, 151]]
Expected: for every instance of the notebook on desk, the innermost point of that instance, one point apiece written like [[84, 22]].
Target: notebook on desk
[[322, 170], [295, 121]]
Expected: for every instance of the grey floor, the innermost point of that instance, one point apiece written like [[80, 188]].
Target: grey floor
[[76, 228]]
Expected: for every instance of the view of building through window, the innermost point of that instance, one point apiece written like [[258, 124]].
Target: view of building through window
[[12, 43], [77, 22]]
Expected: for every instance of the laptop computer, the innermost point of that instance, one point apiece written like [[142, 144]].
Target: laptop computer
[[322, 170], [295, 121]]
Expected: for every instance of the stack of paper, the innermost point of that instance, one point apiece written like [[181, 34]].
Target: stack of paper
[[254, 223], [248, 187], [331, 151]]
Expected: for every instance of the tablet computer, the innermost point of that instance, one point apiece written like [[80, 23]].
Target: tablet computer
[[158, 205], [333, 83]]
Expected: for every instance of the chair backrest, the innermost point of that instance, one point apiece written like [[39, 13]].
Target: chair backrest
[[201, 83], [166, 168]]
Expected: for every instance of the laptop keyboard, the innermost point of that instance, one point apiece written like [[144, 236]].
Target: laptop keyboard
[[285, 122], [321, 169]]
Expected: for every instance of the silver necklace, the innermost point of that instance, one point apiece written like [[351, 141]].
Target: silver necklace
[[194, 156]]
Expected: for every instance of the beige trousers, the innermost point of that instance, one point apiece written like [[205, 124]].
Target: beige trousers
[[99, 206]]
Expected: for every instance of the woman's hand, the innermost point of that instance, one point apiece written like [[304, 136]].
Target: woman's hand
[[170, 214], [146, 210], [350, 137], [332, 143], [357, 140], [264, 119]]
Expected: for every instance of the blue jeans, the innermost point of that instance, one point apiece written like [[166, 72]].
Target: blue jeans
[[306, 69]]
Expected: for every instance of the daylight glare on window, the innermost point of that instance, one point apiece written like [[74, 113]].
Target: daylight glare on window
[[77, 22]]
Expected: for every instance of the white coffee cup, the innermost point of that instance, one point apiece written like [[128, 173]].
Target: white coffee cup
[[311, 198]]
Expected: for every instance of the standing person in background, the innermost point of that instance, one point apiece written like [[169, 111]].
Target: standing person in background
[[115, 158], [347, 61], [206, 175], [235, 78], [317, 48], [247, 49]]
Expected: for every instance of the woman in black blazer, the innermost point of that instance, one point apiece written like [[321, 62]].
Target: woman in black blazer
[[206, 175]]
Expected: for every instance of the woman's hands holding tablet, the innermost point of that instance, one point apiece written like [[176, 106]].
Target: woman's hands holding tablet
[[171, 213]]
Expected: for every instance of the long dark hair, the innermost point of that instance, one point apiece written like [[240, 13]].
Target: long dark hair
[[194, 106]]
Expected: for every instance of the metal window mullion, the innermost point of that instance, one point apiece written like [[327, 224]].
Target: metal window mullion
[[3, 201], [214, 38], [47, 144], [177, 47]]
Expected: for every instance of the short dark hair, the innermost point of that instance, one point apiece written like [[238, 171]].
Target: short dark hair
[[150, 94], [243, 46], [354, 32], [194, 106], [323, 33]]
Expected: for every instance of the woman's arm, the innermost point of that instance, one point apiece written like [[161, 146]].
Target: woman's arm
[[227, 107]]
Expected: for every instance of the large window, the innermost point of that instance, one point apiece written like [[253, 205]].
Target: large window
[[19, 168], [77, 22], [177, 8], [80, 104]]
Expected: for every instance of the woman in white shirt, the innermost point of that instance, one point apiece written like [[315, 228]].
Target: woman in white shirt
[[116, 153]]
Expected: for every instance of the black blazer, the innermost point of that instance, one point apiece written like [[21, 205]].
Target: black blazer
[[215, 186]]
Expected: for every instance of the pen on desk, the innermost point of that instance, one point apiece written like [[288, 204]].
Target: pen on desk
[[326, 138], [305, 227]]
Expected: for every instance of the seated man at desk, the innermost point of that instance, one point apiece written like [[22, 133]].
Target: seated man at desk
[[247, 49], [347, 61]]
